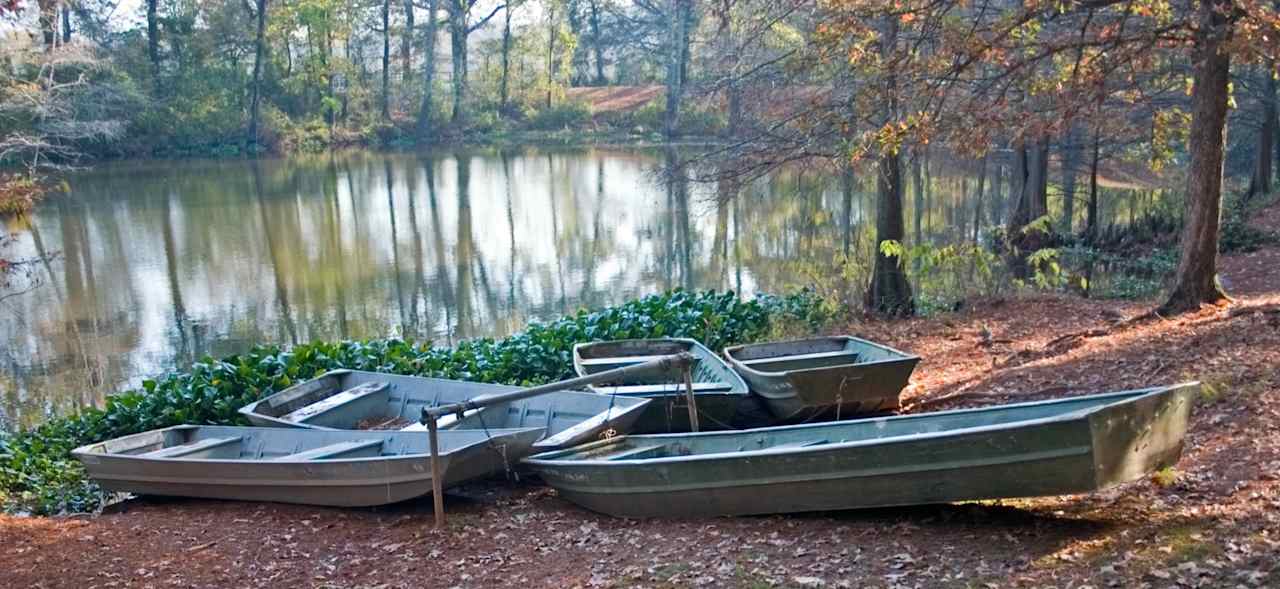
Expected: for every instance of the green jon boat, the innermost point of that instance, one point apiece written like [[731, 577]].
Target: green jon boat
[[1058, 447], [718, 390], [310, 467], [355, 399], [825, 377]]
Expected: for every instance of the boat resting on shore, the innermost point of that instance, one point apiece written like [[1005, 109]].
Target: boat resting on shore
[[718, 390], [1057, 447], [829, 377], [359, 400], [311, 467]]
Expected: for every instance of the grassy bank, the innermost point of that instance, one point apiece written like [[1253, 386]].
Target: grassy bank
[[39, 476]]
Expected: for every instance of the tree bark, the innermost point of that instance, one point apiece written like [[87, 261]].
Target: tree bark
[[889, 293], [259, 53], [406, 44], [1196, 280], [675, 54], [386, 60], [597, 44], [1260, 183], [458, 48], [551, 49], [504, 91], [153, 42], [428, 72], [1070, 150], [1091, 223], [978, 197]]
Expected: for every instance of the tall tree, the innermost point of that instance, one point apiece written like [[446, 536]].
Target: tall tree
[[406, 43], [1196, 279], [385, 103], [425, 124], [153, 41], [259, 54], [675, 65], [1260, 182], [461, 26]]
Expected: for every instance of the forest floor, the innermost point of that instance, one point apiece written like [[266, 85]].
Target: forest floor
[[1214, 522]]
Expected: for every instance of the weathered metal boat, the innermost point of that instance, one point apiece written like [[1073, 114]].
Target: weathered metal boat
[[823, 377], [311, 467], [1055, 447], [718, 390], [353, 399]]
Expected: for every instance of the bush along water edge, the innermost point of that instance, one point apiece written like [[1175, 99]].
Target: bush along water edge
[[38, 475]]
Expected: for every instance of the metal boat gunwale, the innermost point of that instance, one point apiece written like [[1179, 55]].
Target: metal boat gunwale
[[552, 458], [738, 364], [85, 450]]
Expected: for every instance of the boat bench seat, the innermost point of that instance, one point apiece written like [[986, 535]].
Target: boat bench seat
[[641, 452], [800, 444], [758, 363], [652, 389], [303, 414], [617, 360], [192, 448], [332, 450]]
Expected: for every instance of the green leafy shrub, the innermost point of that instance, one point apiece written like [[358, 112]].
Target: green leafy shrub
[[564, 115], [38, 474]]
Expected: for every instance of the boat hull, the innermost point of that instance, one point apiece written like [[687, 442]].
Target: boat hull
[[121, 465], [803, 391], [1037, 457]]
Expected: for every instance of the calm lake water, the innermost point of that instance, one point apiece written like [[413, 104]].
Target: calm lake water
[[156, 263]]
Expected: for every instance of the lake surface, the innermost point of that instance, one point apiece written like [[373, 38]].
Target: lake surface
[[153, 264]]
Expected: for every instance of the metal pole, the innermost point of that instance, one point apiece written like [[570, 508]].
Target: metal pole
[[437, 485], [688, 393]]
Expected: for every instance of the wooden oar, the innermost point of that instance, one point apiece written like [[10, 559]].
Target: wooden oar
[[664, 365]]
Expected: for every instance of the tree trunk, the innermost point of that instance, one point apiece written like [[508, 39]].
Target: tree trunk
[[1260, 183], [259, 53], [386, 60], [597, 43], [504, 91], [889, 292], [917, 177], [66, 23], [1070, 161], [406, 44], [675, 53], [458, 47], [1196, 280], [428, 72], [551, 49], [153, 42], [1091, 223], [978, 197]]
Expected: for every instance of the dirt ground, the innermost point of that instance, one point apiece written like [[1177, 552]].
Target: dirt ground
[[1214, 522]]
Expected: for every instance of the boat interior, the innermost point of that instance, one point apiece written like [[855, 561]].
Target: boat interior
[[664, 446], [811, 353], [602, 356]]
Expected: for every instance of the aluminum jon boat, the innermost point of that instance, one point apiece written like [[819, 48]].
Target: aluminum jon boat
[[830, 377], [718, 390], [312, 467], [1055, 447], [358, 400]]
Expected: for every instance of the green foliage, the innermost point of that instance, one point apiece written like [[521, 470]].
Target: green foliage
[[38, 474], [563, 115]]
